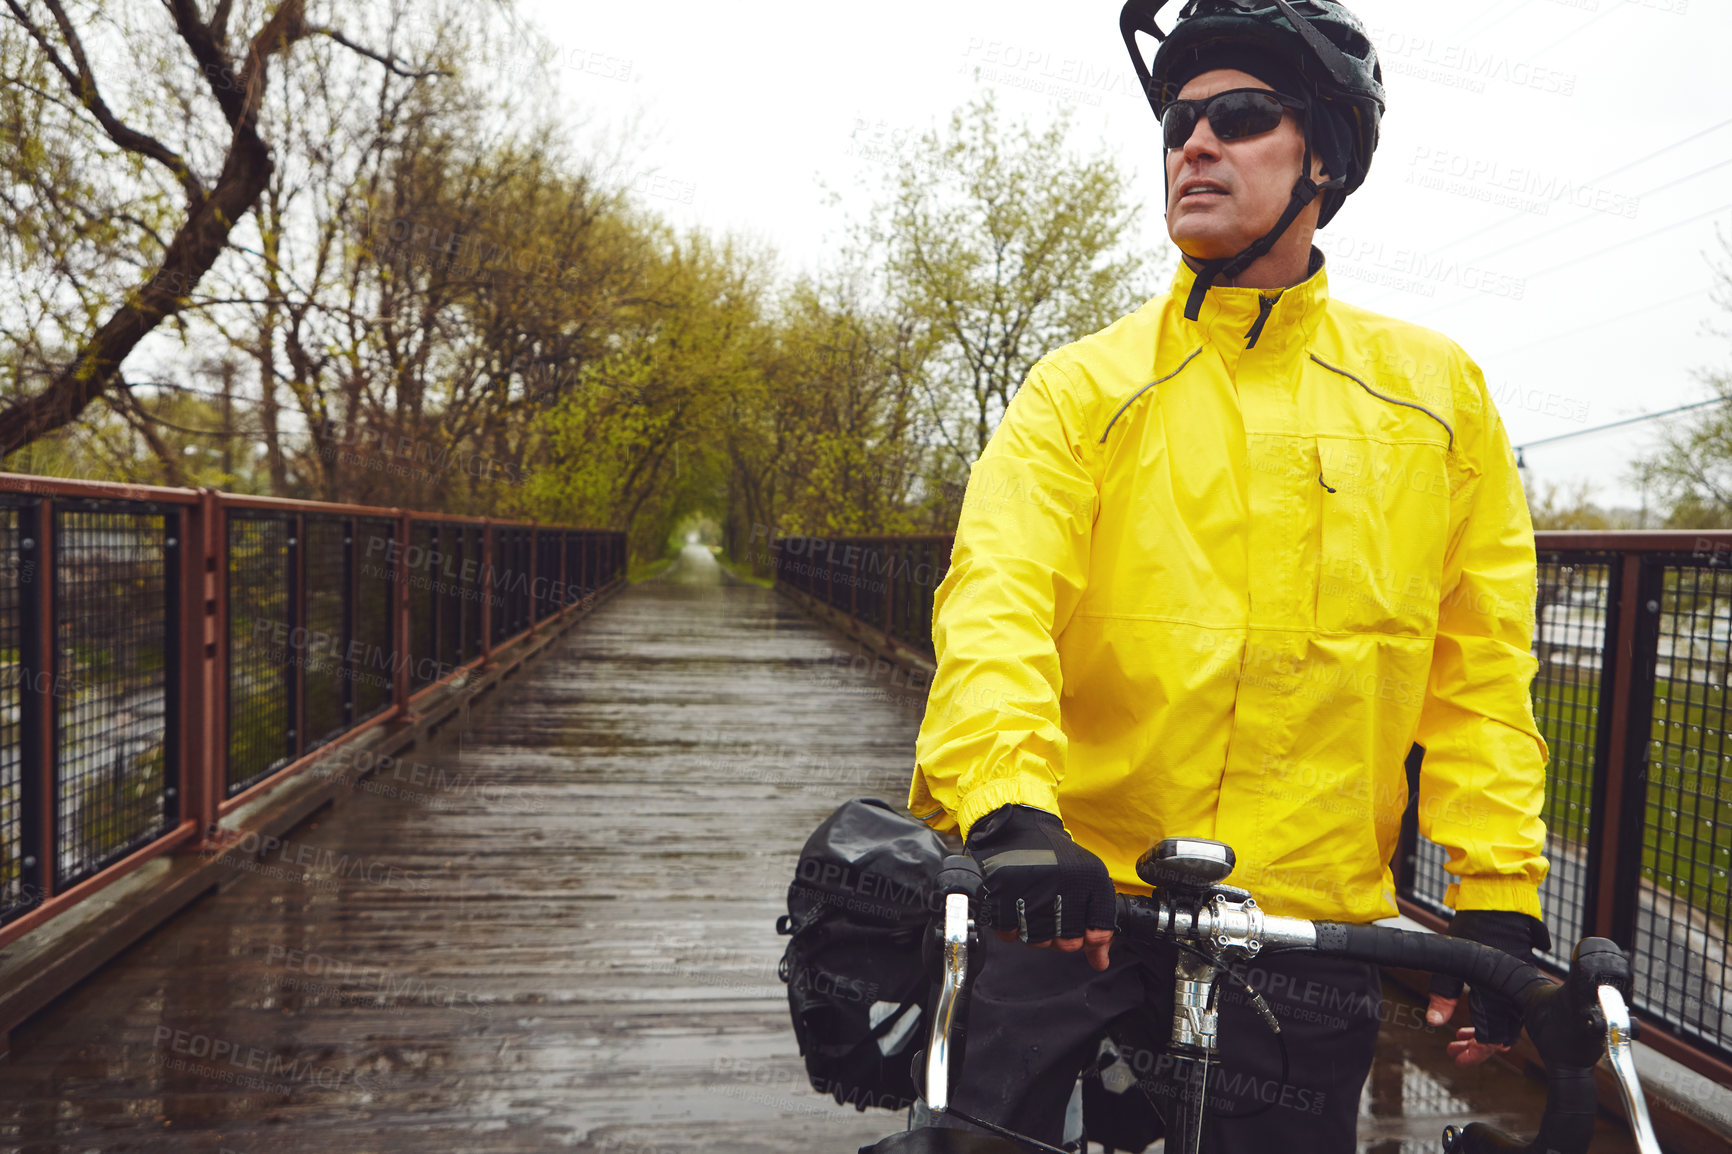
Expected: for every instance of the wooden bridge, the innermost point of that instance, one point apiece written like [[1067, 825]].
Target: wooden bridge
[[550, 929]]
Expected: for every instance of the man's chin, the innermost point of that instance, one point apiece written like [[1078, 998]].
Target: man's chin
[[1203, 248]]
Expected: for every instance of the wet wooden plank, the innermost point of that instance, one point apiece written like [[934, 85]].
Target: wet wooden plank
[[554, 930], [551, 930]]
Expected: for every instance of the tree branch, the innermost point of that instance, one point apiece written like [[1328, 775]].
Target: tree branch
[[390, 62], [194, 249], [83, 85]]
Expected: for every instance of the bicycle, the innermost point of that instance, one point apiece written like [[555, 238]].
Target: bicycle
[[1214, 925]]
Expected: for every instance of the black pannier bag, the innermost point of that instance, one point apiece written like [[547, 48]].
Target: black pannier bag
[[859, 906]]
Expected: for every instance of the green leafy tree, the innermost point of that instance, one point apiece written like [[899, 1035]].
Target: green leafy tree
[[1005, 244], [1691, 470]]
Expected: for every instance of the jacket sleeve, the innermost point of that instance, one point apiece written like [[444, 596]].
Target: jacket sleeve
[[991, 735], [1482, 781]]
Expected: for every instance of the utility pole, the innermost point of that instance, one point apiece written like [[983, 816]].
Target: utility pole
[[226, 374]]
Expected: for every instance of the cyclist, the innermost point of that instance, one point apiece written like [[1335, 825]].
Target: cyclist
[[1222, 564]]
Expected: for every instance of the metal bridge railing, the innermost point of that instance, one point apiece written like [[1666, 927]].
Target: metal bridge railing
[[1634, 698], [886, 583], [166, 655]]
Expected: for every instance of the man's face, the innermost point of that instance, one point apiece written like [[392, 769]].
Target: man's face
[[1224, 194]]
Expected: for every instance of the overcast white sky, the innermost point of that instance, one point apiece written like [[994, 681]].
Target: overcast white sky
[[1547, 189]]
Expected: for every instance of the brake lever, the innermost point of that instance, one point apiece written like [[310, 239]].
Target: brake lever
[[1623, 1060], [960, 882]]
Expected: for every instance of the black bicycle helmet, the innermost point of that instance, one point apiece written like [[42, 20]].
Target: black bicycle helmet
[[1320, 43]]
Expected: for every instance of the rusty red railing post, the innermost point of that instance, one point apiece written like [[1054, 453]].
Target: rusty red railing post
[[853, 578], [219, 727], [535, 544], [400, 619], [1604, 916], [486, 592], [564, 570], [351, 614], [889, 570], [298, 617], [36, 724], [200, 792]]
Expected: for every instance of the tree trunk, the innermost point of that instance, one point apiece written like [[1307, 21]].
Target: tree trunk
[[196, 245]]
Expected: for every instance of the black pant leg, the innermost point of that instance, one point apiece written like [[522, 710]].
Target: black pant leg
[[1033, 1021]]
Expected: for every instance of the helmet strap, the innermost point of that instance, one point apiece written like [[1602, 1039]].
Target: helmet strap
[[1305, 190]]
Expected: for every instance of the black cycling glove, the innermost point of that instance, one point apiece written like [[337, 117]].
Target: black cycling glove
[[1497, 1020], [1039, 882]]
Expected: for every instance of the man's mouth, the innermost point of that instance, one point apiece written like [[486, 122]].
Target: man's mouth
[[1201, 188]]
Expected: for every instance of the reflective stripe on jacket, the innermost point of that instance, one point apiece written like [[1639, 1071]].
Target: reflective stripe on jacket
[[1215, 585]]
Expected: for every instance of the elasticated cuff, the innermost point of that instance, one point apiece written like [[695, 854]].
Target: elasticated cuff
[[1495, 893], [1008, 791]]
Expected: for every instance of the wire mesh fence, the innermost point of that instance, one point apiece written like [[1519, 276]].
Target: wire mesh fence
[[421, 569], [128, 680], [887, 583], [1651, 828], [112, 689], [373, 654], [262, 650], [326, 565], [15, 884], [1682, 802]]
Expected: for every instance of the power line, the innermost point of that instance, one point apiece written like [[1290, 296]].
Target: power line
[[1481, 26], [1683, 179], [1529, 239], [1614, 425], [1590, 256], [1578, 29], [1633, 240], [1518, 214], [1601, 323], [1662, 152]]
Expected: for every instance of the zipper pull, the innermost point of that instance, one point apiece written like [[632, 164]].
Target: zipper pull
[[1322, 482], [1265, 306]]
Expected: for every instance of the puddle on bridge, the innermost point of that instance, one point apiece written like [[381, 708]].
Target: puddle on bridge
[[551, 931]]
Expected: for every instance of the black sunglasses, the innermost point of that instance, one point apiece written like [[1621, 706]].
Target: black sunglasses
[[1232, 115]]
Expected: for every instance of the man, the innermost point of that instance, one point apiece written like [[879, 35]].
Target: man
[[1221, 566]]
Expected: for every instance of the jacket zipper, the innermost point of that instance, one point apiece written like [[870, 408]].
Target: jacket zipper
[[1265, 306]]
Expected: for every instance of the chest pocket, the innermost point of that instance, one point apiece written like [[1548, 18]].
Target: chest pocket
[[1382, 536]]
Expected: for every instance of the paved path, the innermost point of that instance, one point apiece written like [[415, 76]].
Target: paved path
[[552, 932]]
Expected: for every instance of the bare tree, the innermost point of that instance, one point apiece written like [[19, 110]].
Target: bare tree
[[49, 46]]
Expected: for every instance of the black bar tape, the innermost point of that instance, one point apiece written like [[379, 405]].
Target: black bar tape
[[1567, 1127], [1478, 965]]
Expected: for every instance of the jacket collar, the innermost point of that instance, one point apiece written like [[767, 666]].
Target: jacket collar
[[1229, 315]]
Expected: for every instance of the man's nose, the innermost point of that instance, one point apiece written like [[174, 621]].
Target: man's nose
[[1203, 142]]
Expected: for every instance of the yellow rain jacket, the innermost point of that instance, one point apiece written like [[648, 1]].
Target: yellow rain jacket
[[1213, 579]]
